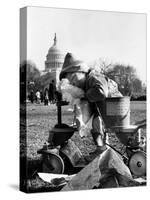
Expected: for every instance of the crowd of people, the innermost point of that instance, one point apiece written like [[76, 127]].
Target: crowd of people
[[46, 96]]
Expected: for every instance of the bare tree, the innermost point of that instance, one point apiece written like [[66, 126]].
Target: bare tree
[[102, 65], [125, 76]]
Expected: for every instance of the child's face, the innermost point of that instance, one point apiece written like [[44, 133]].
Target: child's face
[[77, 79]]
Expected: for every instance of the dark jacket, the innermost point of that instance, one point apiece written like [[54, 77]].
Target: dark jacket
[[96, 87], [96, 92]]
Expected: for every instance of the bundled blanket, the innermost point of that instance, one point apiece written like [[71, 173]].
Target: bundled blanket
[[105, 171], [69, 92], [82, 111]]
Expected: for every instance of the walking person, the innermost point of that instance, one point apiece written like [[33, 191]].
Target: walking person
[[42, 96], [46, 97], [54, 92], [38, 96], [51, 92], [32, 96]]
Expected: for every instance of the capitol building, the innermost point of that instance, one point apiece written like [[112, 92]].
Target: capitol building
[[54, 61]]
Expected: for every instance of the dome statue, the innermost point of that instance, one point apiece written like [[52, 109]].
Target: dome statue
[[54, 60]]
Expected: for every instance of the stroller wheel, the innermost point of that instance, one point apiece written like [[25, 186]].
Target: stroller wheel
[[53, 163], [137, 164]]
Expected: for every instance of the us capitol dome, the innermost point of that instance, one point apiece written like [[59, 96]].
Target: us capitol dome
[[54, 61]]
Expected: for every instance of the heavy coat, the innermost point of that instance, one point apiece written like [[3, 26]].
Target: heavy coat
[[97, 88]]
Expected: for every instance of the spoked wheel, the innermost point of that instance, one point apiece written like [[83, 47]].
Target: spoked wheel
[[137, 164], [53, 163]]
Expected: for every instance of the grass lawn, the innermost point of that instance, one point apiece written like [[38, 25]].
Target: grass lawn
[[40, 119]]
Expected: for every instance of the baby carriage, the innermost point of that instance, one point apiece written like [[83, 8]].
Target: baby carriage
[[61, 155]]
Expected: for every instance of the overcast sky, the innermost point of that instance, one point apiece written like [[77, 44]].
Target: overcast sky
[[113, 36]]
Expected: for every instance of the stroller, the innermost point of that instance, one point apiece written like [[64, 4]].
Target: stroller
[[61, 155]]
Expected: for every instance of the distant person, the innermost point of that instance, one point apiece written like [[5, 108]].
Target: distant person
[[46, 97], [42, 96], [52, 90], [32, 96], [38, 96]]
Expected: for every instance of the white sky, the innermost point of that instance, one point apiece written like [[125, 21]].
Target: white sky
[[114, 36]]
